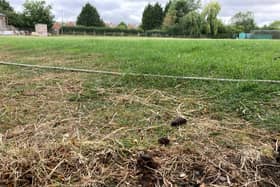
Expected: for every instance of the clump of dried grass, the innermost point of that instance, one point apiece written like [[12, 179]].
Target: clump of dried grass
[[45, 155], [70, 147]]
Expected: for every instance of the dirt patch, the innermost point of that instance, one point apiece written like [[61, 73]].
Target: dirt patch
[[147, 166]]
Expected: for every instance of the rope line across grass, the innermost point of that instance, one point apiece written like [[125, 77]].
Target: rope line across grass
[[137, 74]]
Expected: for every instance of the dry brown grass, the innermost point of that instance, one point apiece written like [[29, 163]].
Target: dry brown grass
[[58, 153], [48, 140]]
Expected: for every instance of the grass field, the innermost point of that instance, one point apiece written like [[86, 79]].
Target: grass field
[[88, 129]]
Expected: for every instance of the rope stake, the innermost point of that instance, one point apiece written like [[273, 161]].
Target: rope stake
[[137, 74]]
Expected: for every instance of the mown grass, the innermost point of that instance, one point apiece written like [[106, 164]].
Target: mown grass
[[212, 58], [257, 103]]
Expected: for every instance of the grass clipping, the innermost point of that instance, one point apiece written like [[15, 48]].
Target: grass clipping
[[48, 155]]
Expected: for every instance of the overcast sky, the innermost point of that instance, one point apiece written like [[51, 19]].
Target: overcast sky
[[130, 11]]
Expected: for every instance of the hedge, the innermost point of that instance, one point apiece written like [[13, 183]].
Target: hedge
[[107, 31], [99, 30]]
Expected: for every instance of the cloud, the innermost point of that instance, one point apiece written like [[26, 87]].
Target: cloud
[[130, 11]]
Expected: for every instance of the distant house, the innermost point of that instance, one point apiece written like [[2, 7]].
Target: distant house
[[6, 29], [3, 22], [131, 26], [58, 25]]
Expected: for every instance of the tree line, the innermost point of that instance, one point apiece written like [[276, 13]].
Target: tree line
[[33, 12], [182, 17], [177, 17], [187, 17]]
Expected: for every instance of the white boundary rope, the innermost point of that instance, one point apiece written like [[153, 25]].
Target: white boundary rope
[[137, 74]]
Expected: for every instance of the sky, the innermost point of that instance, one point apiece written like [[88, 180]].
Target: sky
[[130, 11]]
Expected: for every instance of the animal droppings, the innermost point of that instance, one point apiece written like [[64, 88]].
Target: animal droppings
[[178, 122], [164, 141], [146, 161]]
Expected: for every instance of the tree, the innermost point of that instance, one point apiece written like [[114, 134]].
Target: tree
[[122, 25], [89, 17], [222, 28], [274, 25], [191, 24], [147, 18], [152, 17], [14, 18], [170, 18], [210, 14], [37, 11], [178, 9], [5, 6], [158, 16], [167, 6], [244, 21], [183, 7]]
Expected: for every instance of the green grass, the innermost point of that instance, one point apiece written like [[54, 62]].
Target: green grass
[[248, 59], [211, 58]]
